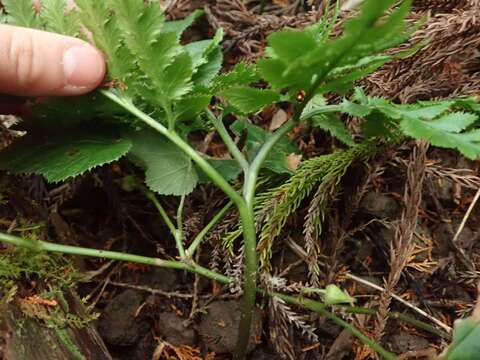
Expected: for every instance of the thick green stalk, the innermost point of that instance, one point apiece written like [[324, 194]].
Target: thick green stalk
[[247, 217]]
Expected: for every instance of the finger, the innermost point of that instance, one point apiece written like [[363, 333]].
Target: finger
[[37, 63]]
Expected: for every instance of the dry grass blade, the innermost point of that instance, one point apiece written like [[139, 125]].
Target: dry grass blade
[[446, 67], [467, 215], [280, 331], [402, 246], [313, 227]]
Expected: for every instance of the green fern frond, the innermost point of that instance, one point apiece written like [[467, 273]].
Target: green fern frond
[[22, 13], [303, 60], [275, 206], [97, 18], [56, 18], [443, 123]]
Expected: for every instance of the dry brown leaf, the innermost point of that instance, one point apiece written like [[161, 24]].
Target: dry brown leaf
[[280, 118], [293, 161]]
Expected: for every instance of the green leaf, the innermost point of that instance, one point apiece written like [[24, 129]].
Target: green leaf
[[199, 51], [354, 109], [96, 17], [165, 70], [454, 122], [288, 45], [334, 126], [334, 296], [317, 105], [465, 344], [229, 169], [207, 72], [250, 100], [192, 105], [241, 75], [177, 77], [276, 161], [168, 170], [440, 133], [379, 125], [21, 13], [56, 18], [308, 60], [179, 26], [60, 155]]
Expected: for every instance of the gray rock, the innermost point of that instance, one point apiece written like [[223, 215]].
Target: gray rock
[[380, 205], [218, 329], [173, 331], [118, 325], [401, 342]]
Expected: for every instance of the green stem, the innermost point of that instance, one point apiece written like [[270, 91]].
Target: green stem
[[170, 117], [227, 139], [402, 317], [252, 175], [179, 232], [216, 178], [313, 305], [247, 217], [201, 235], [37, 245], [153, 198], [319, 308]]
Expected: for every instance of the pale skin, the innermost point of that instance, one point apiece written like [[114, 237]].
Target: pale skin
[[38, 63]]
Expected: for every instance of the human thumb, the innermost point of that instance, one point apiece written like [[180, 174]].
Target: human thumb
[[38, 63]]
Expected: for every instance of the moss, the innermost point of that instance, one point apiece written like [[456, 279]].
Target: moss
[[65, 338], [18, 265]]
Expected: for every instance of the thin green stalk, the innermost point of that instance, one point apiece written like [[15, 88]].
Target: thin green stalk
[[402, 317], [227, 139], [319, 308], [153, 198], [37, 245], [201, 235], [216, 178], [179, 232], [252, 175]]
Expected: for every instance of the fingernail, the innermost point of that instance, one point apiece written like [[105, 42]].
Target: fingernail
[[83, 67]]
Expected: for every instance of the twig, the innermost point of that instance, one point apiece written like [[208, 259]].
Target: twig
[[168, 294], [459, 252], [401, 300], [196, 283], [467, 215]]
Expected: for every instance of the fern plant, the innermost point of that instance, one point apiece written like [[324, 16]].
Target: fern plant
[[160, 90]]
